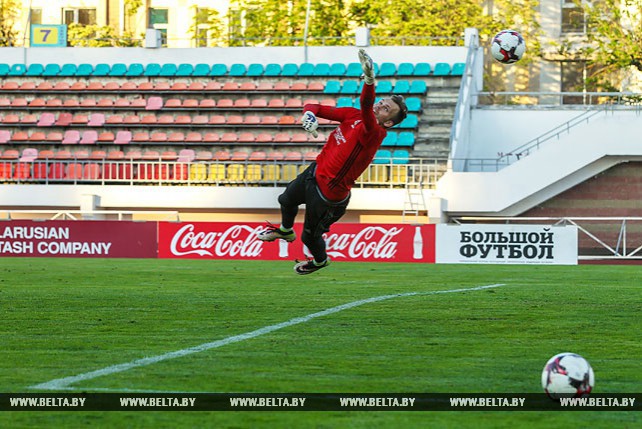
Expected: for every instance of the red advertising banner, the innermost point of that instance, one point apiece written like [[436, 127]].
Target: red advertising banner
[[345, 242], [78, 239]]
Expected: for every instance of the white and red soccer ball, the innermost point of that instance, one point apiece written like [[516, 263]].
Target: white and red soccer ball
[[508, 46], [567, 375]]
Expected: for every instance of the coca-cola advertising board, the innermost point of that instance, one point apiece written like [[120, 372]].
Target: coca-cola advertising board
[[78, 239], [345, 242]]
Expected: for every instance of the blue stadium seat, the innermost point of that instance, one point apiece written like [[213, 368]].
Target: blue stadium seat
[[344, 102], [135, 69], [383, 87], [400, 156], [441, 69], [458, 69], [402, 87], [201, 70], [18, 70], [51, 70], [382, 157], [354, 70], [421, 69], [84, 70], [306, 70], [322, 69], [272, 70], [390, 139], [387, 70], [118, 69], [406, 139], [411, 121], [218, 70], [255, 70], [357, 103], [68, 70], [332, 87], [289, 70], [405, 69], [185, 70], [4, 69], [35, 70], [413, 104], [101, 69], [350, 87], [418, 87], [338, 69], [237, 70], [152, 69], [168, 70]]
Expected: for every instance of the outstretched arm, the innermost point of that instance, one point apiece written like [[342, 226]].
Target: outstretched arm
[[367, 92]]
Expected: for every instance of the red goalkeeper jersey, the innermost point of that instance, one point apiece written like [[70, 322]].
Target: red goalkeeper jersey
[[350, 147]]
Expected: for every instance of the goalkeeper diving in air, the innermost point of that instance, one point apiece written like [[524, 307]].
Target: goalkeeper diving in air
[[324, 187]]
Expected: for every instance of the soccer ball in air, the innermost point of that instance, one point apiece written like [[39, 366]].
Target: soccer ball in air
[[567, 375], [508, 46]]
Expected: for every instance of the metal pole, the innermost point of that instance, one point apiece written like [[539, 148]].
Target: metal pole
[[305, 33]]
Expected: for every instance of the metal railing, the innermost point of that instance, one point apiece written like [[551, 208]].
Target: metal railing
[[56, 214], [566, 99]]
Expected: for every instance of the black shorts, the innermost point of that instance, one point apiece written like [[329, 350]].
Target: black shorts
[[320, 212]]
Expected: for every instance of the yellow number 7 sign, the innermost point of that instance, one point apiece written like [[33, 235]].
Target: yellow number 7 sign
[[48, 35]]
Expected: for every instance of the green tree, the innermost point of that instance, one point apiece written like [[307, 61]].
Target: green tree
[[97, 36], [9, 13], [206, 25]]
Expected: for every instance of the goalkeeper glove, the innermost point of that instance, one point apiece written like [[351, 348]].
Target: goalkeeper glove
[[367, 67], [309, 123]]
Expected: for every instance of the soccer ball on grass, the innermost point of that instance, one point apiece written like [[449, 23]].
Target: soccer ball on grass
[[567, 375], [508, 46]]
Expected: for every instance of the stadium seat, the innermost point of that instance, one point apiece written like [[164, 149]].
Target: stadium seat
[[135, 69], [289, 70], [123, 137], [71, 137], [418, 87], [237, 70], [282, 138], [152, 69], [254, 70], [118, 70], [272, 70], [405, 69], [18, 70], [201, 70], [177, 137], [64, 119], [40, 170], [22, 171], [421, 70], [46, 120], [192, 137], [91, 171], [184, 70], [218, 70], [4, 69], [54, 137], [306, 70], [337, 70], [383, 87], [68, 70], [96, 120], [73, 171], [400, 156], [35, 69], [354, 70], [402, 87], [387, 70], [406, 139], [413, 104], [29, 154], [390, 139], [84, 70], [411, 121], [89, 137], [154, 103], [168, 70], [5, 136], [441, 69], [458, 69], [98, 154], [349, 87], [382, 157]]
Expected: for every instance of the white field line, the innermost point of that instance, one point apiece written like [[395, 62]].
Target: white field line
[[64, 383]]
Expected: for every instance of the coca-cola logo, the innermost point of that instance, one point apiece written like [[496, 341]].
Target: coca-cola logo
[[371, 242], [238, 240]]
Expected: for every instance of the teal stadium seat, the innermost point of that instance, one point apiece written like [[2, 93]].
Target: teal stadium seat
[[406, 139], [101, 69], [418, 87], [441, 69], [51, 70], [4, 69], [201, 70], [332, 87], [338, 69], [322, 69], [68, 70], [18, 70], [344, 102], [411, 121], [306, 70], [382, 157], [35, 70], [400, 156], [390, 139], [135, 69], [272, 70], [84, 70], [152, 69], [413, 104], [405, 69], [383, 87], [168, 70], [387, 70], [402, 87], [350, 87], [421, 69], [255, 70], [237, 70], [184, 70], [357, 103], [218, 70], [354, 70], [458, 69], [289, 70], [118, 69]]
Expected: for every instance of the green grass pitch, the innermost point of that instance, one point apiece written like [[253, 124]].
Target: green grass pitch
[[64, 317]]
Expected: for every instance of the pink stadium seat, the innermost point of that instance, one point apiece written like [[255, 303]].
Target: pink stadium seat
[[217, 120], [5, 136], [46, 120], [200, 120], [259, 103], [176, 137], [242, 103], [252, 120], [281, 86], [64, 119], [239, 156], [264, 138], [207, 103], [71, 137], [246, 138], [225, 103], [229, 137], [186, 155], [265, 86], [234, 120], [96, 120], [5, 102], [89, 137], [211, 138], [213, 86], [154, 103], [194, 137], [123, 137], [203, 155], [196, 86], [282, 138], [29, 154]]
